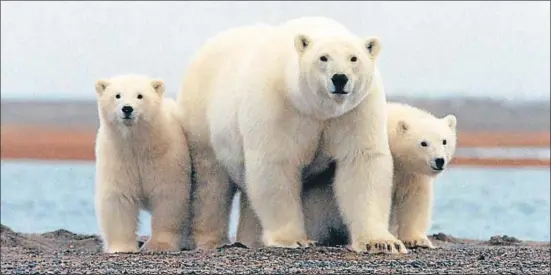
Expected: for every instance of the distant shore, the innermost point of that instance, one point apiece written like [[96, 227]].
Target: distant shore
[[65, 130], [25, 142], [64, 252]]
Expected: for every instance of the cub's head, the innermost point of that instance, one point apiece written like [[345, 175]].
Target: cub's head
[[424, 145], [338, 68], [129, 99]]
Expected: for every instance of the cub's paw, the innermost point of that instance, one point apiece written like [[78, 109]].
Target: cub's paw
[[388, 246], [233, 245], [287, 237], [422, 242], [156, 246], [122, 249], [290, 243], [307, 243], [205, 242], [203, 246]]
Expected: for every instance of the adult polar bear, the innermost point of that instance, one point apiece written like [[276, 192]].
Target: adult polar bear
[[421, 145], [263, 104]]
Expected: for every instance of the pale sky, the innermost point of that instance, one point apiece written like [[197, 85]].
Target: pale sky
[[429, 49]]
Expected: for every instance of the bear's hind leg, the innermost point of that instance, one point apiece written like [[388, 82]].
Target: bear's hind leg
[[248, 229], [211, 197]]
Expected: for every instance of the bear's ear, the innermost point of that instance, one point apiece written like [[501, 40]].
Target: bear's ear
[[402, 126], [302, 43], [158, 85], [451, 120], [373, 46], [101, 85]]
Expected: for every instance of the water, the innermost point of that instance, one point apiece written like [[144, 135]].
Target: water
[[509, 153], [470, 202]]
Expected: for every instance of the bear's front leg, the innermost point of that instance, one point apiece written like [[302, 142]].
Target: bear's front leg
[[118, 220], [363, 184], [167, 219], [412, 207], [273, 188]]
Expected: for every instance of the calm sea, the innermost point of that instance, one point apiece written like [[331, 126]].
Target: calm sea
[[471, 202]]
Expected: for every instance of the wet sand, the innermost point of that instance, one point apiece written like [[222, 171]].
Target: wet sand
[[63, 252]]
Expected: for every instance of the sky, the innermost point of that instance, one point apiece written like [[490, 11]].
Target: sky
[[56, 50]]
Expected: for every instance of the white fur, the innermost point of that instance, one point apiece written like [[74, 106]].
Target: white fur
[[141, 163], [413, 178], [259, 111], [414, 165]]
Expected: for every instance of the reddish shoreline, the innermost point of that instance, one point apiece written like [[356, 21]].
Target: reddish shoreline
[[69, 144]]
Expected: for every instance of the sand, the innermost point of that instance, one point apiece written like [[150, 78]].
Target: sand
[[63, 252]]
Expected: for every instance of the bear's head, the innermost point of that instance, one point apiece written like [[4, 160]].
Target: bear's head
[[128, 99], [424, 145], [336, 69]]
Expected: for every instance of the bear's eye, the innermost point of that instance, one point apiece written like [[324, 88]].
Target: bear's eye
[[444, 142], [140, 96], [353, 59], [323, 58], [118, 96], [424, 144]]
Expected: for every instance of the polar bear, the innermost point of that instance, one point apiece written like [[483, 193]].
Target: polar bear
[[263, 105], [421, 144], [142, 162]]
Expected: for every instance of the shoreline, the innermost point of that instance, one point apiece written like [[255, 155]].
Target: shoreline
[[59, 143], [62, 251]]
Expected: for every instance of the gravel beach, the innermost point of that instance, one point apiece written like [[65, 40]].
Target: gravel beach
[[63, 252]]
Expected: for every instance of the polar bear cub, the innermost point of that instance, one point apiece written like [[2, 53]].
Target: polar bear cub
[[264, 105], [142, 162], [422, 145]]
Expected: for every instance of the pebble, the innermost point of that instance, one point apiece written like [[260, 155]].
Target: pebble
[[48, 254]]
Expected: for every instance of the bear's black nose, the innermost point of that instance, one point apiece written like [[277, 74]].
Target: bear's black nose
[[127, 110], [339, 80], [439, 163]]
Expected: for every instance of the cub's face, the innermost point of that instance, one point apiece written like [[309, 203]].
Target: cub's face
[[127, 100], [426, 146], [336, 68]]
